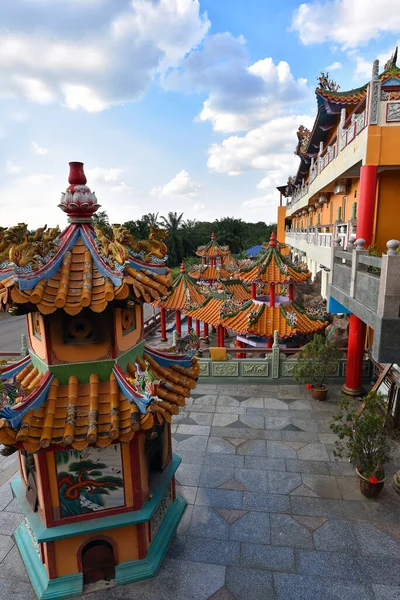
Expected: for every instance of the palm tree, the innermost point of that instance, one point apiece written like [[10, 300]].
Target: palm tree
[[173, 224], [230, 232], [152, 219]]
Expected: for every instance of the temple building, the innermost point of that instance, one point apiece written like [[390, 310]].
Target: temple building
[[217, 262], [344, 196], [89, 408]]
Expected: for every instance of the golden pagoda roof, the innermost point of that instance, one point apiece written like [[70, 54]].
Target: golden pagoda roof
[[212, 249], [273, 267], [81, 266], [229, 260], [99, 412], [185, 290], [208, 272], [259, 319], [208, 311], [238, 289]]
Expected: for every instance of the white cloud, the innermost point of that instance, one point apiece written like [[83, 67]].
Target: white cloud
[[11, 168], [180, 185], [197, 207], [261, 201], [113, 59], [268, 147], [98, 175], [363, 68], [348, 23], [241, 95], [334, 66], [38, 149], [39, 179]]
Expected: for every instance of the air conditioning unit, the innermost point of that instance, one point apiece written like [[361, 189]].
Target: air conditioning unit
[[340, 188]]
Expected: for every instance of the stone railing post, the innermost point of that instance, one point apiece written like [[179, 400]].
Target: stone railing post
[[275, 356], [359, 249], [24, 346], [389, 284]]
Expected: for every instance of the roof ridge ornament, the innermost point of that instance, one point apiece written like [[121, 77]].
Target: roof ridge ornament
[[78, 201], [391, 63], [327, 84]]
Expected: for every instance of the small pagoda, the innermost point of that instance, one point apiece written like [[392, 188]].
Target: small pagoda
[[185, 291], [213, 266], [89, 408]]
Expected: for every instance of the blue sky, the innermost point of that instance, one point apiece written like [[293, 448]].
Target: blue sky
[[171, 104]]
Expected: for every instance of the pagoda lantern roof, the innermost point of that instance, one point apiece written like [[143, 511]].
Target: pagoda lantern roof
[[80, 266], [273, 267], [119, 410], [212, 249], [261, 320], [185, 290]]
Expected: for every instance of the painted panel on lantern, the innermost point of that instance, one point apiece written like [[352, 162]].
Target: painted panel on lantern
[[90, 480]]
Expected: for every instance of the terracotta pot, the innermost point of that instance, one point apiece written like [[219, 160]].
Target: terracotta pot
[[319, 393], [368, 489]]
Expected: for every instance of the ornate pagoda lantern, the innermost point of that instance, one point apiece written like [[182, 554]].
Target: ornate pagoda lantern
[[89, 409]]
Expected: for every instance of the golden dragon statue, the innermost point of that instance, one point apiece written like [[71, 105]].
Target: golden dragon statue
[[123, 243], [21, 247]]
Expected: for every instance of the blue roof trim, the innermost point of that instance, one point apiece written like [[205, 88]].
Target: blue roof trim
[[29, 282], [14, 417], [142, 267], [166, 362], [101, 267], [391, 81], [141, 403], [9, 374]]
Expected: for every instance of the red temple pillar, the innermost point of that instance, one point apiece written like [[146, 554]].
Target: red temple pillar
[[198, 327], [220, 336], [163, 326], [366, 203], [270, 341], [253, 289], [291, 291], [272, 295], [189, 323], [355, 355], [205, 332], [178, 321]]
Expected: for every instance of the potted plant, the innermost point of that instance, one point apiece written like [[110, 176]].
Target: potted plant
[[314, 364], [396, 482], [365, 436]]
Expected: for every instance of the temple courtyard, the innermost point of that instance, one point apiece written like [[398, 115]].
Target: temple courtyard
[[270, 513]]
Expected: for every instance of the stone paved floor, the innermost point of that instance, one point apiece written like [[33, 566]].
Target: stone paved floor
[[270, 513]]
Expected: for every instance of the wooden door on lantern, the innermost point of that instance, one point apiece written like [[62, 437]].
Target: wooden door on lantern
[[98, 562]]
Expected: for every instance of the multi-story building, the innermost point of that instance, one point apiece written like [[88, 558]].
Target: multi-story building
[[344, 196]]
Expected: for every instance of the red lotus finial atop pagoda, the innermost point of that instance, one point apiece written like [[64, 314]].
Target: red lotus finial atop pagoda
[[272, 239], [183, 268], [213, 236], [78, 201]]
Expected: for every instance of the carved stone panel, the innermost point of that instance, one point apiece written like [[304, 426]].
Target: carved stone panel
[[393, 112], [287, 368], [375, 95], [333, 370], [225, 369], [204, 369], [255, 369], [160, 512]]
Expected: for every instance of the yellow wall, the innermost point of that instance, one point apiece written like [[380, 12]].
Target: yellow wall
[[38, 345], [387, 225], [383, 146], [127, 341]]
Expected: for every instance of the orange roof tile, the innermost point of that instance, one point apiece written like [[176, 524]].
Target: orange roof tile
[[212, 249], [184, 291], [207, 272], [208, 312]]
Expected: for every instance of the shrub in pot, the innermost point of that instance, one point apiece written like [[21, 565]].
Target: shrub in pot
[[365, 437], [314, 364]]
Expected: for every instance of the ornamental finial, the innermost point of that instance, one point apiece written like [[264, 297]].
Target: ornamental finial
[[183, 268], [272, 239], [78, 201], [213, 236]]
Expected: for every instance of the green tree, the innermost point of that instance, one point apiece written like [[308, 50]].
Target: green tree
[[173, 224], [102, 221]]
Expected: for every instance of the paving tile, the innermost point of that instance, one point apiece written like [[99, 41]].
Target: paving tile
[[252, 527], [295, 445], [6, 495], [299, 587], [254, 480], [381, 569], [207, 400], [9, 522], [312, 523], [233, 484], [191, 457], [260, 462], [194, 443], [272, 558], [187, 492], [219, 498], [316, 507], [348, 488], [336, 536], [327, 438], [280, 450], [330, 564], [214, 476], [276, 422], [193, 430], [303, 490], [180, 437], [227, 410], [253, 421], [14, 507], [286, 531], [386, 592], [253, 448], [313, 451], [184, 523], [222, 594], [309, 424], [299, 436], [184, 420], [252, 403], [239, 424], [223, 420], [220, 446], [6, 543], [201, 418], [231, 515], [16, 590], [246, 584], [292, 427], [300, 405], [227, 401], [281, 482], [12, 566], [217, 552], [354, 510], [188, 474], [223, 460], [266, 502], [323, 485], [274, 403], [372, 541], [177, 547], [341, 469], [206, 522], [235, 441], [307, 466]]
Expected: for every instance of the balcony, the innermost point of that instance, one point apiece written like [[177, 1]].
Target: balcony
[[347, 149], [321, 236], [369, 287]]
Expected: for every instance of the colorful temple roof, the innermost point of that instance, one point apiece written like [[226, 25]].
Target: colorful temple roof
[[272, 267], [211, 272], [77, 415], [208, 311], [261, 320], [212, 249], [185, 290], [237, 288], [80, 267]]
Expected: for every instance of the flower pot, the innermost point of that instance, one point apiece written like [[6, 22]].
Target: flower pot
[[368, 489], [319, 393]]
